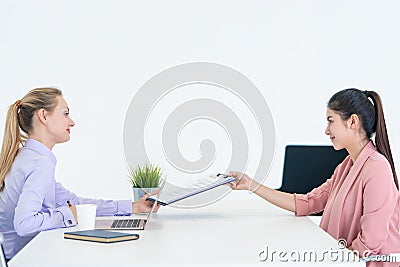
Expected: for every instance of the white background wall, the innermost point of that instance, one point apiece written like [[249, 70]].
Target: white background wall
[[100, 53]]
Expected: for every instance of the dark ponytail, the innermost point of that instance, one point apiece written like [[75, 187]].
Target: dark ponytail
[[354, 101], [381, 136]]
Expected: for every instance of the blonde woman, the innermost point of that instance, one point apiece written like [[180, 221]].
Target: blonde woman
[[30, 198]]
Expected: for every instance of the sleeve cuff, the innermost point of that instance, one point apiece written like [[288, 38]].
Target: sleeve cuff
[[302, 208], [124, 207], [67, 216], [362, 249]]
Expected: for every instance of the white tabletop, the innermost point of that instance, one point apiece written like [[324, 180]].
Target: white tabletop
[[228, 232]]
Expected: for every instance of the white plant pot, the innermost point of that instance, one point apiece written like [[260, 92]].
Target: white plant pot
[[138, 192]]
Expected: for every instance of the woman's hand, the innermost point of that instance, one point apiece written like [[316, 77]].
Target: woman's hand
[[280, 199], [243, 182], [143, 205]]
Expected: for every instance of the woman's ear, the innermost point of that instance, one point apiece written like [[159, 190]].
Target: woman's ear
[[354, 121], [41, 115]]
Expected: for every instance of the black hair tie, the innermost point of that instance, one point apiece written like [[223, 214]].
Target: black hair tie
[[366, 93]]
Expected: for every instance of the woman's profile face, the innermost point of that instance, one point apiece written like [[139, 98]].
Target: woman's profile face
[[337, 130], [59, 122]]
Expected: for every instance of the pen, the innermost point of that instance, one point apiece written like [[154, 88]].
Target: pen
[[69, 204]]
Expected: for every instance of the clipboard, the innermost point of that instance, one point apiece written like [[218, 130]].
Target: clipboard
[[201, 185]]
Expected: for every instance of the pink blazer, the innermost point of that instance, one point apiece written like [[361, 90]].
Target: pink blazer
[[361, 204]]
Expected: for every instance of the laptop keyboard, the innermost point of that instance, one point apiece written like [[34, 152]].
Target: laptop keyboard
[[131, 223]]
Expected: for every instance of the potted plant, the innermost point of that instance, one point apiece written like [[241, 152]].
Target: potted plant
[[144, 180]]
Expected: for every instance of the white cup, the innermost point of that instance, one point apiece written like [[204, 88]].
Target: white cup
[[86, 214]]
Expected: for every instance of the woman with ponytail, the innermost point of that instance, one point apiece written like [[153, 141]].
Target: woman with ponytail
[[361, 201], [30, 198]]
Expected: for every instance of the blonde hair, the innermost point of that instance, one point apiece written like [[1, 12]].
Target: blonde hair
[[19, 124]]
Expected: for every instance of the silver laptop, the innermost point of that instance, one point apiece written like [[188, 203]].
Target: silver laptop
[[128, 224]]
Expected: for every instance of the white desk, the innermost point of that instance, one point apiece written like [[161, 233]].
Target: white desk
[[225, 233]]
